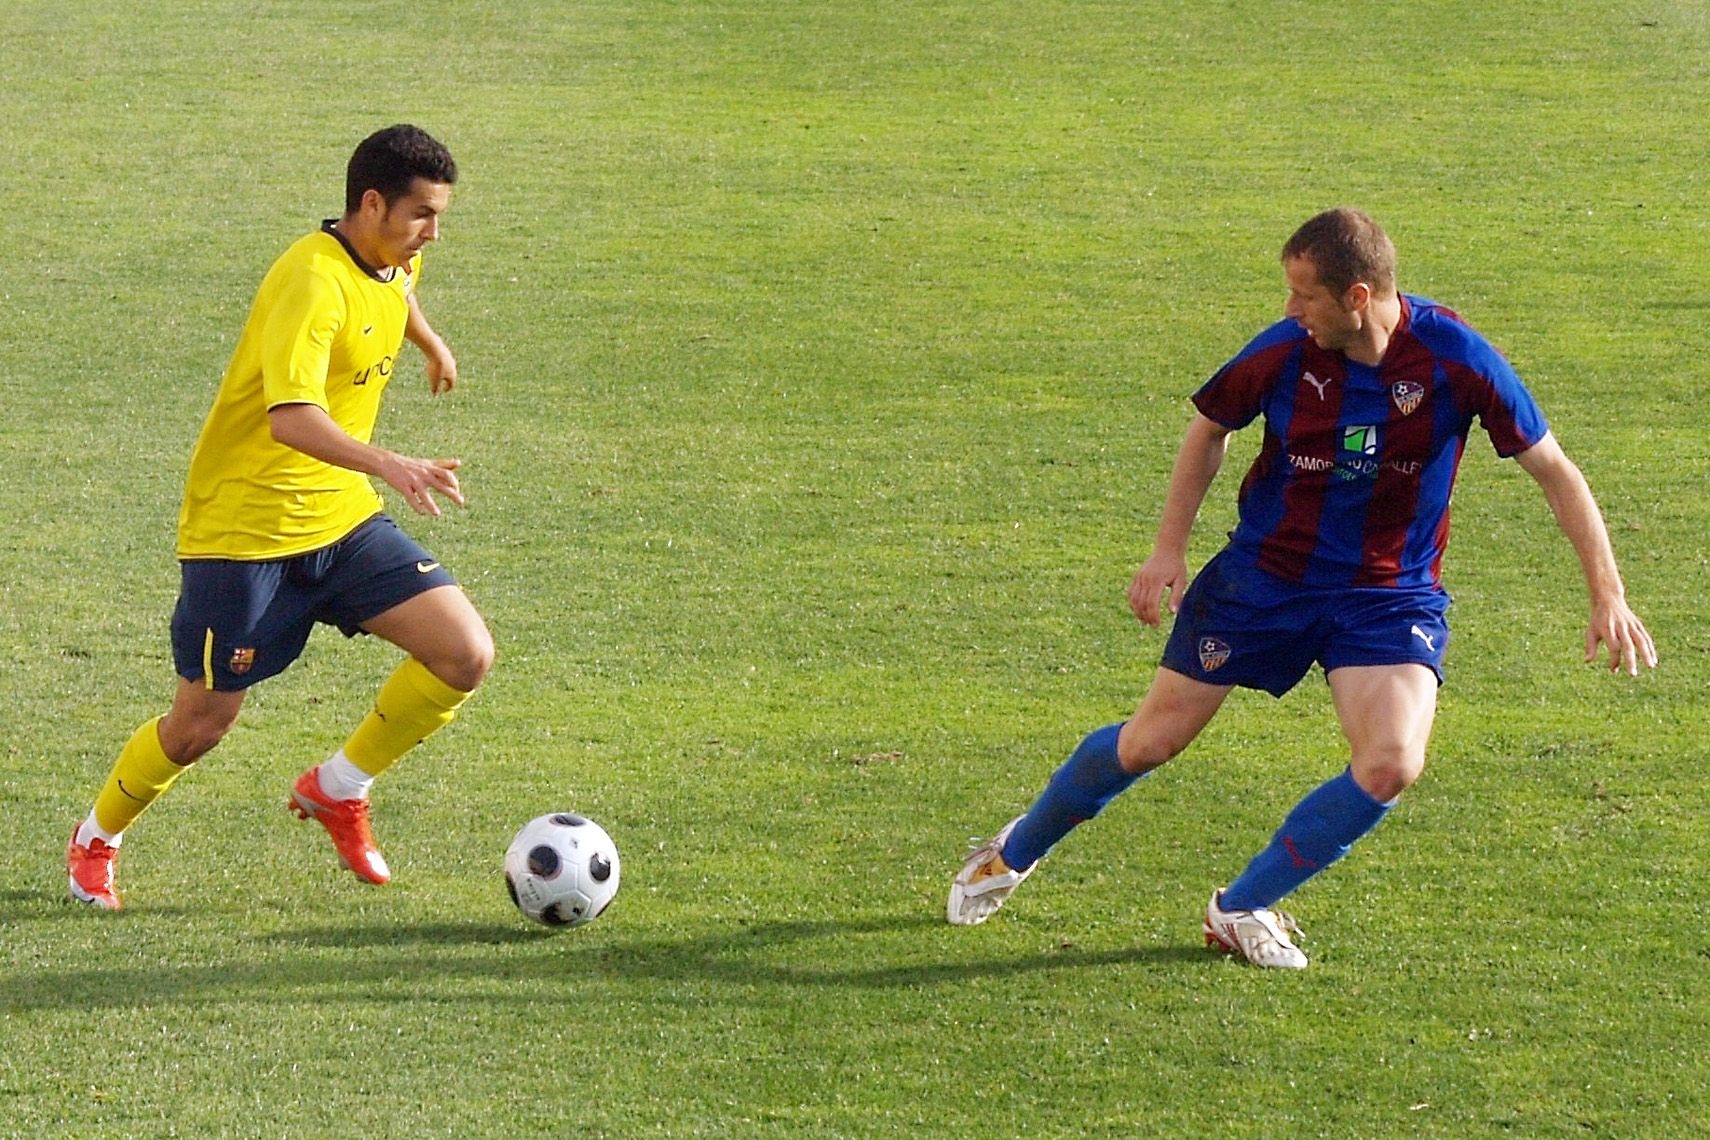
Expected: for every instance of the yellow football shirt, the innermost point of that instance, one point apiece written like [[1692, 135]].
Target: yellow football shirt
[[325, 329]]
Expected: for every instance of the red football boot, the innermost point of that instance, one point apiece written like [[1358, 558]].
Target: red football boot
[[346, 821], [91, 870]]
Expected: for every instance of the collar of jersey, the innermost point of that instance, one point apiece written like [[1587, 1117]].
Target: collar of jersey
[[330, 226]]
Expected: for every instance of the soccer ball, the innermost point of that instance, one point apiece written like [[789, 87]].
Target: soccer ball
[[562, 869]]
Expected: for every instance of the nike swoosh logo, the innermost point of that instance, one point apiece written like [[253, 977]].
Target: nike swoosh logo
[[366, 329], [128, 795], [424, 567]]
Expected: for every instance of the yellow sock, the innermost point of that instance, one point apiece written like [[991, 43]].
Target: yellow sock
[[140, 774], [412, 705]]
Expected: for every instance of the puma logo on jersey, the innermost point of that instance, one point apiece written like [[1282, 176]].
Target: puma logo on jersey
[[1317, 384], [1430, 643]]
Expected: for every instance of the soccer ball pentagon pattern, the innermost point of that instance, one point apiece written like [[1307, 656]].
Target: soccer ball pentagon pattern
[[562, 869]]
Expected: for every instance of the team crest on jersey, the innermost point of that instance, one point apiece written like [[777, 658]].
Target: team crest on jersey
[[1407, 394], [1212, 653], [241, 661]]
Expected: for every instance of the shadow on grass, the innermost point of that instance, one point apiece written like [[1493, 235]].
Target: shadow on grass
[[14, 903], [19, 906], [838, 953], [431, 933]]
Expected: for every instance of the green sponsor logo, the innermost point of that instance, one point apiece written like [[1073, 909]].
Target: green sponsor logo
[[1360, 439]]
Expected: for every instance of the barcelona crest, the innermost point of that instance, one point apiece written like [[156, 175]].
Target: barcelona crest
[[241, 661], [1407, 394], [1212, 653]]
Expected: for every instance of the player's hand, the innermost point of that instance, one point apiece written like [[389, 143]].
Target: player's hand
[[441, 370], [418, 480], [1161, 578], [1618, 627]]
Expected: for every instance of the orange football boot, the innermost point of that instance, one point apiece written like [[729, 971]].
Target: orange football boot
[[346, 821], [91, 870]]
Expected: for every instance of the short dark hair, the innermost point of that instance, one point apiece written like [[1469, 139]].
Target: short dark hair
[[390, 161], [1346, 247]]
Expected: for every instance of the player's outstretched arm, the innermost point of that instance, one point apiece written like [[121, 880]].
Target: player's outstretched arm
[[1613, 624], [309, 429], [441, 365], [1163, 577]]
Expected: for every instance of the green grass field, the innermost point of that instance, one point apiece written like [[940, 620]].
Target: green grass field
[[822, 368]]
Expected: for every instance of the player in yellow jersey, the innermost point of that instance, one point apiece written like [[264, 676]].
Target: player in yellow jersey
[[281, 528]]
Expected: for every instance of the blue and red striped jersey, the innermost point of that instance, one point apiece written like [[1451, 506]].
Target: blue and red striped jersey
[[1352, 484]]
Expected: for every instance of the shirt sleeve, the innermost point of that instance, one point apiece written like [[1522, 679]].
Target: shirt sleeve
[[1235, 396], [1494, 392], [297, 341]]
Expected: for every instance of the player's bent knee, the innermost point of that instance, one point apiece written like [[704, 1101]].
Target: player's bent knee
[[1140, 750], [1384, 778], [467, 665], [186, 739]]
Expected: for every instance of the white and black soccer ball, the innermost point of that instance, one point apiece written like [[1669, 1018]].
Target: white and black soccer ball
[[562, 869]]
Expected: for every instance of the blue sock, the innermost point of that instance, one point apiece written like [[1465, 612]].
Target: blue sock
[[1088, 780], [1316, 833]]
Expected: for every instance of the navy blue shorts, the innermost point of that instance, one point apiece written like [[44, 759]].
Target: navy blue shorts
[[237, 623], [1241, 626]]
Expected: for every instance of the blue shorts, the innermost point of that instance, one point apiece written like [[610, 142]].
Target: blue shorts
[[237, 623], [1241, 626]]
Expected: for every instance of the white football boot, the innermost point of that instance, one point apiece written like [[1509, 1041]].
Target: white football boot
[[1260, 936], [985, 881]]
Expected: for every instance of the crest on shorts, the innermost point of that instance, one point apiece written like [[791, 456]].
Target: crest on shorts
[[241, 661], [1407, 394], [1212, 653]]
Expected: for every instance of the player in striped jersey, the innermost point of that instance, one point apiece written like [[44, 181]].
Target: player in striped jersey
[[1367, 397]]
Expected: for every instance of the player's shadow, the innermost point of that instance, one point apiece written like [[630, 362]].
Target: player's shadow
[[15, 902], [840, 953], [431, 934], [836, 953], [861, 952], [830, 952], [29, 905]]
